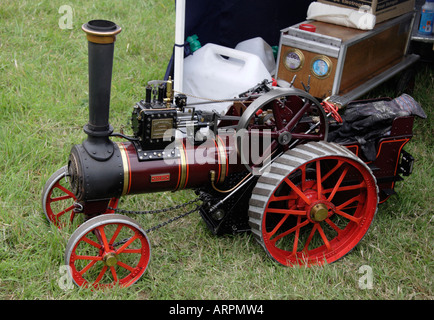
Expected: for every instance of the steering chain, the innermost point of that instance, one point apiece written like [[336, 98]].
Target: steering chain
[[158, 226]]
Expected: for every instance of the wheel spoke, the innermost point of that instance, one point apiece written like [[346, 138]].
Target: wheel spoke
[[87, 267], [338, 184], [61, 213], [323, 237], [291, 124], [114, 274], [60, 198], [277, 106], [298, 226], [93, 258], [348, 216], [287, 211], [91, 242], [312, 232], [357, 198], [278, 225], [115, 234], [103, 237], [333, 225], [298, 191], [333, 170], [126, 244], [125, 266], [101, 274], [297, 235], [318, 179], [132, 251], [348, 188], [68, 192]]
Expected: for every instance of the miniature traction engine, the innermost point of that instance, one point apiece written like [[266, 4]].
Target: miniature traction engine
[[265, 166]]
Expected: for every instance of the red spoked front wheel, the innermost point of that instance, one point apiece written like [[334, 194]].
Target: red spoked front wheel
[[107, 250], [58, 200], [314, 205]]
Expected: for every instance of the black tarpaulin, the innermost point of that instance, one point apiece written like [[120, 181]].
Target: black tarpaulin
[[228, 22]]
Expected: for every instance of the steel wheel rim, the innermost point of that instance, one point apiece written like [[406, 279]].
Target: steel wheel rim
[[305, 223], [94, 259]]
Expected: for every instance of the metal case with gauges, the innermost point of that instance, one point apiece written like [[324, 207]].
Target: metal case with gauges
[[341, 62]]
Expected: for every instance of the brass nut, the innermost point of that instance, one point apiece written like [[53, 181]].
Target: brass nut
[[319, 212]]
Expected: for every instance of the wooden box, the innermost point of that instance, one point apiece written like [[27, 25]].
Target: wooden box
[[339, 60]]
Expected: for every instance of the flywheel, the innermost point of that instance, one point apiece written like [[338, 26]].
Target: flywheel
[[277, 121], [313, 205]]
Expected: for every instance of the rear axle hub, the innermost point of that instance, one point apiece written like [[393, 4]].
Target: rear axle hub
[[319, 212]]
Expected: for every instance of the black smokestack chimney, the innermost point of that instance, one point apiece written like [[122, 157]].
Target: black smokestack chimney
[[101, 35]]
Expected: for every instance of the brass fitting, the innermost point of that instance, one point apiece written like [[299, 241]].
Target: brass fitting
[[169, 93], [101, 31], [110, 259], [319, 212]]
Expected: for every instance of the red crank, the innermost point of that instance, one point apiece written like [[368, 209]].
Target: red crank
[[331, 109]]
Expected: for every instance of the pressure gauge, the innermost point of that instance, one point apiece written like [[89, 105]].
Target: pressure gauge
[[321, 67], [293, 59]]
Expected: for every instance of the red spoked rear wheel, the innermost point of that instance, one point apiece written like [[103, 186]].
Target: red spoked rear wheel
[[107, 250], [314, 205]]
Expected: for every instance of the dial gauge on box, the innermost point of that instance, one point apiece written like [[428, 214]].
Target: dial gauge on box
[[294, 60], [321, 66]]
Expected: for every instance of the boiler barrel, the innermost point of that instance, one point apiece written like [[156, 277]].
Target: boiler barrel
[[188, 166]]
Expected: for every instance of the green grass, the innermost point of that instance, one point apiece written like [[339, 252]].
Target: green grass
[[43, 106]]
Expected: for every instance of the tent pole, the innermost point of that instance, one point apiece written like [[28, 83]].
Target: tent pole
[[179, 50]]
